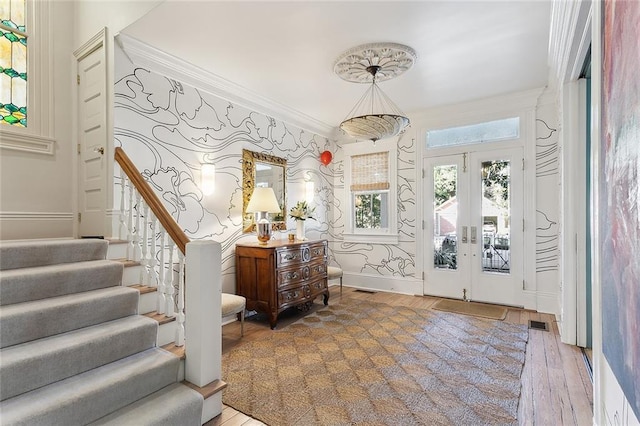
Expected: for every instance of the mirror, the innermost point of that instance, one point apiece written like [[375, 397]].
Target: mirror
[[267, 171]]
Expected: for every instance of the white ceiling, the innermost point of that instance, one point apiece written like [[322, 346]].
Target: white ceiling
[[285, 51]]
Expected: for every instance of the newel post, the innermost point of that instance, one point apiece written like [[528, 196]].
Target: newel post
[[203, 326]]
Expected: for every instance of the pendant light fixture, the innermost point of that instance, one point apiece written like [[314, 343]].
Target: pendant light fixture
[[375, 116]]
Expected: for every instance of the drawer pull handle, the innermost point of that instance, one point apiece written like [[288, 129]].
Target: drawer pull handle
[[292, 295], [292, 275]]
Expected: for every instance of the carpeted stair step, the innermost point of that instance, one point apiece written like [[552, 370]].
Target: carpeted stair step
[[22, 322], [175, 404], [89, 396], [40, 282], [26, 254], [38, 363]]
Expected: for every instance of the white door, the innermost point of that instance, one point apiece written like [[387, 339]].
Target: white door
[[92, 144], [474, 238]]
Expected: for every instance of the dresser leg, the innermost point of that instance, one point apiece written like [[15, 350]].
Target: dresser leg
[[326, 298], [273, 320]]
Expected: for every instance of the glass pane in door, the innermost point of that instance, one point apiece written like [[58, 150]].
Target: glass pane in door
[[496, 216], [445, 216]]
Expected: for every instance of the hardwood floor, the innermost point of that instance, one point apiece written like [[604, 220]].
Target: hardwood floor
[[556, 387]]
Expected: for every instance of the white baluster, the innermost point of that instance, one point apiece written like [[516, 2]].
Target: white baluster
[[144, 244], [161, 274], [136, 235], [169, 307], [153, 263], [180, 317], [123, 224], [130, 245]]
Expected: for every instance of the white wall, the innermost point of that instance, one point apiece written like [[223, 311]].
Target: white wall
[[35, 196]]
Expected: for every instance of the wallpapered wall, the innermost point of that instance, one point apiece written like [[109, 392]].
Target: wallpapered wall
[[547, 198], [382, 259], [168, 129]]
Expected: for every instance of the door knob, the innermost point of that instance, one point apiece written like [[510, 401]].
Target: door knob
[[99, 149]]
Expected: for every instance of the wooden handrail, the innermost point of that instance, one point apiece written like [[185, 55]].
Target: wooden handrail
[[152, 200]]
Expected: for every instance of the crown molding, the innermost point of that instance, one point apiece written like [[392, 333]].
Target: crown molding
[[144, 55], [569, 38]]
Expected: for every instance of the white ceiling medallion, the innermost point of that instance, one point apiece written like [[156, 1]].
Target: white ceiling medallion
[[393, 59], [375, 116]]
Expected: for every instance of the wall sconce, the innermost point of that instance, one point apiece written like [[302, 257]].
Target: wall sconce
[[263, 201], [309, 191], [208, 178]]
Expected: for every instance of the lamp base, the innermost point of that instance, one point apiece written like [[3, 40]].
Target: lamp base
[[264, 231]]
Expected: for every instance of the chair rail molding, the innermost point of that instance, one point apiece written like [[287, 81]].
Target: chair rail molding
[[36, 215], [171, 66], [27, 143]]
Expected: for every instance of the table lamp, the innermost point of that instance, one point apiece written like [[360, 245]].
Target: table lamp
[[262, 202]]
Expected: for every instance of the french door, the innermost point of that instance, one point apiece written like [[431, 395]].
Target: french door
[[474, 226]]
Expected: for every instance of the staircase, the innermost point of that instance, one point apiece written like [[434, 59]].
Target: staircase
[[73, 348]]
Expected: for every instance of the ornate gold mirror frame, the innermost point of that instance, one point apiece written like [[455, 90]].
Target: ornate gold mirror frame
[[251, 161]]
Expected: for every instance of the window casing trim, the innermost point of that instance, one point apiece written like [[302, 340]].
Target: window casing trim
[[38, 136], [387, 235]]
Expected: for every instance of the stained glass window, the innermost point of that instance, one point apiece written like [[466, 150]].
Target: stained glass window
[[13, 63]]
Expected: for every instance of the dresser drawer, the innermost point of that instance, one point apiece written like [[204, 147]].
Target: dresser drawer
[[300, 274], [293, 296], [301, 254], [318, 286]]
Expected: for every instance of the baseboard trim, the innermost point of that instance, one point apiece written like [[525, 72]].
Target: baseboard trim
[[383, 283]]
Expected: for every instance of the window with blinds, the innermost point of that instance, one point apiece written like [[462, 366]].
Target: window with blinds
[[370, 179], [370, 172]]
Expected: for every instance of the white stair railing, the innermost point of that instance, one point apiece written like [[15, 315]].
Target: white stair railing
[[155, 241], [173, 264]]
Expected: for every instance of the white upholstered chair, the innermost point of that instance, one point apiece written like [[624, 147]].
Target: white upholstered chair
[[333, 273], [234, 304]]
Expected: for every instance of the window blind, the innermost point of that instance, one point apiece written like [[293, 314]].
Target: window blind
[[370, 172]]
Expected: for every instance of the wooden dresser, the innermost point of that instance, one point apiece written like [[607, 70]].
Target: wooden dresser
[[281, 274]]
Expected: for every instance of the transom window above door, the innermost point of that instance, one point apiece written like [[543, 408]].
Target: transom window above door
[[488, 131]]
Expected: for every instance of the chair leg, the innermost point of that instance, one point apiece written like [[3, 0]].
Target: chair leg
[[242, 323], [340, 285]]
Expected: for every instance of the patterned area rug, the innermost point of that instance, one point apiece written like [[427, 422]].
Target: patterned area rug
[[376, 364]]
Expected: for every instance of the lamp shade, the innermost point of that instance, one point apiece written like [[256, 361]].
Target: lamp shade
[[263, 200]]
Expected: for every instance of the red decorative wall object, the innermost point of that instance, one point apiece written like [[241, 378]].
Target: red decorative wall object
[[326, 157]]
